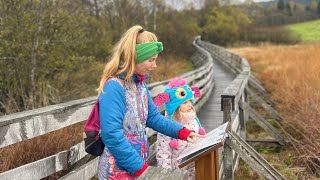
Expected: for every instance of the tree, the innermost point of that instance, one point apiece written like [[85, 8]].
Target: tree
[[318, 8], [176, 36], [289, 8], [221, 25], [281, 4], [42, 46]]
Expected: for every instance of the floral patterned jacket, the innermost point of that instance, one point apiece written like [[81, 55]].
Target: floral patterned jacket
[[125, 111], [167, 156]]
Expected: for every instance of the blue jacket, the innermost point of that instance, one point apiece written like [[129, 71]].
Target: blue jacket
[[125, 112]]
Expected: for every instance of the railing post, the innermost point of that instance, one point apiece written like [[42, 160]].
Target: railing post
[[228, 155], [243, 114]]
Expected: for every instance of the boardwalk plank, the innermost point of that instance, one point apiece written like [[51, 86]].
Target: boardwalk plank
[[212, 108]]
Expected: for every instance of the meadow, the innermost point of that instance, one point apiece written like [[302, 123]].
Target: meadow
[[291, 75], [307, 31]]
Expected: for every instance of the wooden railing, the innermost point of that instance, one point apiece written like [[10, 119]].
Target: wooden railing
[[26, 125], [236, 110], [235, 105]]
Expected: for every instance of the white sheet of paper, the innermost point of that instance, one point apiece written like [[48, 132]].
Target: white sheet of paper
[[213, 137]]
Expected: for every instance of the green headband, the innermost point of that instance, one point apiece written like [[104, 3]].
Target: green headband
[[147, 50]]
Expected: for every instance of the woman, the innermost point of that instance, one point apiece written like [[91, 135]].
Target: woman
[[126, 107]]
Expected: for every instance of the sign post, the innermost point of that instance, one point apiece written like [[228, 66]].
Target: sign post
[[204, 152]]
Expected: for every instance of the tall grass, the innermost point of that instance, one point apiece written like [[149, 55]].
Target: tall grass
[[40, 147], [291, 74], [169, 67]]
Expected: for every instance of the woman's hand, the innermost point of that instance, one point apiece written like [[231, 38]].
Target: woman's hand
[[194, 136]]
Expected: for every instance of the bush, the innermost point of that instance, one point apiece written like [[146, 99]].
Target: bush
[[277, 35]]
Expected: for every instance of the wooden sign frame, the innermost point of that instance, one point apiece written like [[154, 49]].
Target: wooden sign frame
[[206, 159]]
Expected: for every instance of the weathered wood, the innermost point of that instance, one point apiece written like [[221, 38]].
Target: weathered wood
[[157, 173], [205, 97], [228, 163], [207, 168], [235, 126], [205, 84], [257, 85], [39, 169], [252, 158], [235, 89], [84, 172], [152, 161], [230, 60], [263, 142], [29, 124], [265, 124], [206, 79], [238, 65], [265, 105], [52, 164], [243, 116], [227, 109], [200, 154], [228, 154]]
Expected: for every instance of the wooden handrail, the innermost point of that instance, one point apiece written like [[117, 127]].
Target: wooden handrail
[[33, 123], [234, 104]]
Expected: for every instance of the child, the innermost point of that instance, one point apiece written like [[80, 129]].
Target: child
[[179, 99]]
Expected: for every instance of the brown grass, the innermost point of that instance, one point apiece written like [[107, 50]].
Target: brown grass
[[168, 67], [291, 74], [40, 147]]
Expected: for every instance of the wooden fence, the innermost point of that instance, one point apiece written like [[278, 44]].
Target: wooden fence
[[29, 124], [237, 110]]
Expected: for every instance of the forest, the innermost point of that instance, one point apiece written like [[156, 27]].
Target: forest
[[53, 51]]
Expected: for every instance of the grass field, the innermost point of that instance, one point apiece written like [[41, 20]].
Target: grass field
[[291, 74], [308, 31]]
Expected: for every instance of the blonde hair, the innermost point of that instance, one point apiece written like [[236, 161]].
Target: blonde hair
[[123, 59]]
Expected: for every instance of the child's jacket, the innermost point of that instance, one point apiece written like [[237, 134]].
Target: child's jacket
[[167, 156], [125, 112]]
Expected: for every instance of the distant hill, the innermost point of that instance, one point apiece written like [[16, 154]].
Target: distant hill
[[304, 2], [267, 4], [308, 31]]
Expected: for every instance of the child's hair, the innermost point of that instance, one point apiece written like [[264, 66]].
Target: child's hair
[[123, 59], [176, 93]]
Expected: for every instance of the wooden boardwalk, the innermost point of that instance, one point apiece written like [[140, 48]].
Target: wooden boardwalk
[[210, 114], [210, 76]]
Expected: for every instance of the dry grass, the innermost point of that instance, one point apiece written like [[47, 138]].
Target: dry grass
[[168, 67], [291, 74], [40, 147]]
